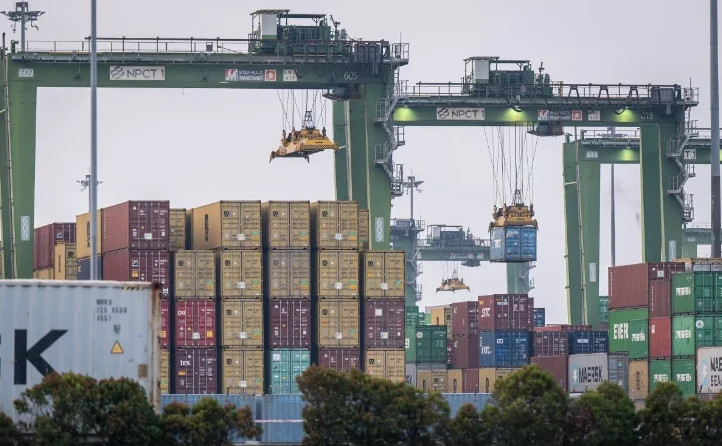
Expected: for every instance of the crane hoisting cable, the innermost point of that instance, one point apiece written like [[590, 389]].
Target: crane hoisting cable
[[452, 280]]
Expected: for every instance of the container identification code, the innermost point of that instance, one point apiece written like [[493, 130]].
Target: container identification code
[[104, 310]]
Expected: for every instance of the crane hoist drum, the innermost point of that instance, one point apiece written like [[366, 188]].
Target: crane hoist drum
[[302, 143], [513, 234]]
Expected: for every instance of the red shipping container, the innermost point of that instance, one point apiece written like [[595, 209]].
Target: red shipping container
[[290, 321], [562, 328], [195, 323], [450, 353], [660, 337], [139, 266], [196, 371], [384, 323], [551, 343], [164, 323], [465, 318], [660, 298], [556, 366], [466, 351], [136, 225], [44, 241], [341, 359], [471, 380], [506, 312], [629, 284]]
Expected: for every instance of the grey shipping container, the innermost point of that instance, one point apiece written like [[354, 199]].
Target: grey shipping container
[[105, 330], [709, 370], [619, 369], [411, 374], [587, 372]]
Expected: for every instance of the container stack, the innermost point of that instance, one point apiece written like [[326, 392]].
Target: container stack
[[639, 302], [54, 252], [287, 239], [82, 245]]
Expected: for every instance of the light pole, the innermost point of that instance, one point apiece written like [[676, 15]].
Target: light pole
[[22, 15], [714, 152], [93, 144]]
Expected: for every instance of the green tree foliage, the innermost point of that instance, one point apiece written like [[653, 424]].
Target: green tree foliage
[[207, 423], [602, 417], [9, 433], [531, 409], [357, 409], [467, 428], [666, 417]]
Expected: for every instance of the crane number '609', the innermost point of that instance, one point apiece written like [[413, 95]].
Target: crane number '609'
[[350, 76]]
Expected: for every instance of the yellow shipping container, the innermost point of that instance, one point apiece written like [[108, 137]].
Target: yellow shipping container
[[338, 323], [454, 381], [241, 274], [177, 229], [82, 234], [441, 315], [289, 274], [242, 322], [337, 274], [66, 262], [164, 372], [195, 274], [431, 380], [335, 224], [287, 224], [242, 372], [363, 228], [386, 363], [488, 376], [638, 380], [44, 274], [384, 274], [227, 224]]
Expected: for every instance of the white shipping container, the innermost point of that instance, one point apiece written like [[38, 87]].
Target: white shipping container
[[100, 329], [709, 370], [587, 372]]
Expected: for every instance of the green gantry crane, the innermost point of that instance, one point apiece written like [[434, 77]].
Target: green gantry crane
[[372, 106]]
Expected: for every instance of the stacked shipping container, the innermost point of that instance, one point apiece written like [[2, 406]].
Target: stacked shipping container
[[54, 252]]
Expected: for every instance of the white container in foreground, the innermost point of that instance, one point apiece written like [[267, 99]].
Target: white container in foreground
[[100, 329], [709, 370], [587, 372]]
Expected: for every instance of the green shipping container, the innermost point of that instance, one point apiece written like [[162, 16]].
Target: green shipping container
[[697, 292], [427, 318], [684, 375], [411, 343], [284, 366], [692, 332], [708, 330], [619, 327], [638, 338], [430, 344], [660, 371], [683, 336], [412, 316]]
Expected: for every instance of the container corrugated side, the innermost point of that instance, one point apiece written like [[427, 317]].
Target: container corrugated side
[[430, 344], [384, 274], [638, 380], [465, 317], [337, 274], [471, 380], [44, 241], [587, 372], [341, 359], [196, 370], [539, 315], [194, 321], [334, 225], [364, 226], [383, 323], [709, 370], [506, 312], [685, 376], [431, 381], [195, 274], [80, 323], [281, 418], [136, 225], [287, 224], [338, 323], [227, 224], [556, 366], [289, 274], [82, 229], [385, 363], [139, 266], [465, 351], [84, 268], [242, 323], [283, 367], [660, 337], [455, 381], [551, 343], [638, 338], [587, 342], [289, 322], [165, 324], [660, 371], [240, 274], [410, 377], [177, 228], [660, 298], [164, 372], [242, 371]]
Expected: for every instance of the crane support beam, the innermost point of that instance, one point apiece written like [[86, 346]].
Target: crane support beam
[[575, 292]]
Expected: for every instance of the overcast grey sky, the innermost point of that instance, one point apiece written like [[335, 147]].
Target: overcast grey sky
[[197, 146]]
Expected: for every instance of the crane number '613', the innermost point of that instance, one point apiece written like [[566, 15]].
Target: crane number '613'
[[350, 76]]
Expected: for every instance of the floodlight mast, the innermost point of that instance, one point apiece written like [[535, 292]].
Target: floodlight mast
[[24, 16]]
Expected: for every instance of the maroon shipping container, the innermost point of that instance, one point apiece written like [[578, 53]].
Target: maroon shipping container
[[196, 371], [136, 225], [562, 328], [290, 323], [466, 351], [384, 323], [195, 323], [471, 380], [506, 312], [164, 323], [45, 239], [139, 266], [660, 337], [629, 284], [554, 343], [556, 366], [450, 353], [465, 318], [660, 298], [341, 359]]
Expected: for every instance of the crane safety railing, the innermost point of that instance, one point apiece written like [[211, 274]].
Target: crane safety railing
[[349, 51], [519, 93], [464, 243]]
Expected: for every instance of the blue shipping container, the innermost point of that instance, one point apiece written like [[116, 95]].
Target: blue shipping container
[[504, 348], [587, 342], [513, 244], [540, 318], [284, 366], [84, 268]]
